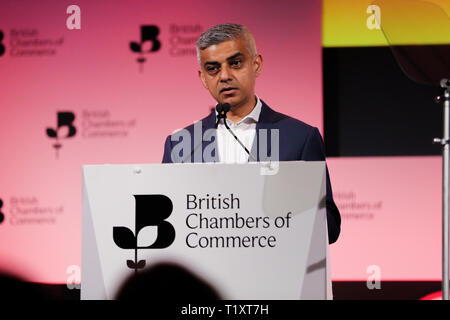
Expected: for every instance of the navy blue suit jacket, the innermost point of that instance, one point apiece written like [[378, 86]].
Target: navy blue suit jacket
[[298, 141]]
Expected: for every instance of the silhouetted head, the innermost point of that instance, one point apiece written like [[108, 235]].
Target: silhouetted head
[[15, 288], [166, 281]]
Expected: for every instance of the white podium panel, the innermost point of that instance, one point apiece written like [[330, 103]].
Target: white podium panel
[[252, 233]]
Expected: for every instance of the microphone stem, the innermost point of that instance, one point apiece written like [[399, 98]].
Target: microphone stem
[[246, 150]]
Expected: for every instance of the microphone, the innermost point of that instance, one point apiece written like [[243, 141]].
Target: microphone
[[224, 108]]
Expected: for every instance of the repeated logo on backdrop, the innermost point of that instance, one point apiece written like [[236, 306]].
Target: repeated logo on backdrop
[[149, 43], [28, 210], [2, 216], [28, 42], [97, 123], [65, 121], [182, 39], [2, 47]]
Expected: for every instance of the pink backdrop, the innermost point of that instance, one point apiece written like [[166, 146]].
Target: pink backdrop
[[391, 217], [122, 115], [390, 206]]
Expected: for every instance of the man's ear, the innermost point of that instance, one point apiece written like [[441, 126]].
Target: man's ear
[[202, 78], [257, 64]]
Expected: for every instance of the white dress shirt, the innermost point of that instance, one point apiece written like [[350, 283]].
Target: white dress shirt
[[230, 151]]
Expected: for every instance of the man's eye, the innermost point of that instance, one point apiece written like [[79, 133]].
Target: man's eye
[[211, 69], [236, 63]]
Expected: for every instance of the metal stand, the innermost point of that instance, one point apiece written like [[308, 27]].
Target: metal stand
[[445, 85]]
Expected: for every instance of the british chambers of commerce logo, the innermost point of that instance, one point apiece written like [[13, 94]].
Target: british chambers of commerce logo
[[2, 216], [2, 46], [151, 210], [149, 43], [64, 129]]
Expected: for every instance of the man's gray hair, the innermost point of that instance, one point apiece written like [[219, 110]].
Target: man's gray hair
[[224, 32]]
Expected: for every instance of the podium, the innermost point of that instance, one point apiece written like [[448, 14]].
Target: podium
[[253, 231]]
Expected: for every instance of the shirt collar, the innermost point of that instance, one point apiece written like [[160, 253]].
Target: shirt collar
[[253, 115]]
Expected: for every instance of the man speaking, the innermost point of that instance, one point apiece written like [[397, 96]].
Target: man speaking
[[229, 66]]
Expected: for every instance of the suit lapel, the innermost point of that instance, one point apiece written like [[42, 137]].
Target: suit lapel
[[266, 121], [209, 123]]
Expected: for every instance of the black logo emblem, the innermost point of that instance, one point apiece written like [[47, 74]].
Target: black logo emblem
[[149, 43], [151, 210], [2, 216], [65, 120], [2, 47]]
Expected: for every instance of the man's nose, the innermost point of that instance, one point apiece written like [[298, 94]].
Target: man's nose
[[225, 74]]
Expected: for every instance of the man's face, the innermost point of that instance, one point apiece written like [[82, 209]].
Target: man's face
[[228, 71]]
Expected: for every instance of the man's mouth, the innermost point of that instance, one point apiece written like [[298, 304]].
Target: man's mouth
[[227, 90]]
